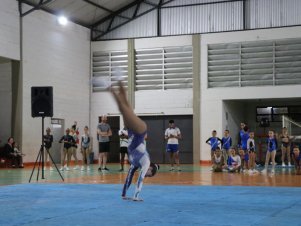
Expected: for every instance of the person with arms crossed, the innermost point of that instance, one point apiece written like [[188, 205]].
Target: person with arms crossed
[[68, 141], [48, 139], [172, 135], [123, 135], [103, 136]]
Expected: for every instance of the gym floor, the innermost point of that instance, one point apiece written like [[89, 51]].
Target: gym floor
[[190, 175], [194, 196]]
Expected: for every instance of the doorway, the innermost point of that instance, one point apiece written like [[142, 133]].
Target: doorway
[[156, 144], [114, 122], [57, 128]]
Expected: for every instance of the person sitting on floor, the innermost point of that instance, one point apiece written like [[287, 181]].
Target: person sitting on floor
[[18, 154], [234, 161], [9, 153], [296, 156], [218, 161]]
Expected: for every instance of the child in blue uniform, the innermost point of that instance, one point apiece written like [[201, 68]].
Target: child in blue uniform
[[271, 152], [234, 161], [226, 144], [243, 151], [137, 153], [214, 142], [241, 132]]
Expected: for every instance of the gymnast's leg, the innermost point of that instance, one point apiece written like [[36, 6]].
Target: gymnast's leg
[[145, 162], [128, 180]]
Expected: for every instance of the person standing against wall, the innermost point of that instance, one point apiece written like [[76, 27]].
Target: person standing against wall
[[48, 139], [103, 136], [172, 135], [123, 135], [285, 147], [86, 147]]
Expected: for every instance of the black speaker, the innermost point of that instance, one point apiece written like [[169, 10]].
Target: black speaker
[[42, 101]]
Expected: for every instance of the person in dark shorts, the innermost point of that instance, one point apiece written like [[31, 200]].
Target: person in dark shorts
[[172, 136], [103, 136]]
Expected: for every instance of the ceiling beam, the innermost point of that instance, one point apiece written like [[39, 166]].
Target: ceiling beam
[[150, 3], [53, 12], [116, 13], [109, 29], [35, 6], [103, 8]]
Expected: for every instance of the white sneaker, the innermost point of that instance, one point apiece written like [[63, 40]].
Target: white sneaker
[[88, 168], [83, 168], [76, 167], [272, 171], [67, 168], [62, 169], [137, 199], [171, 169], [283, 164], [264, 171], [250, 171], [51, 169], [289, 164]]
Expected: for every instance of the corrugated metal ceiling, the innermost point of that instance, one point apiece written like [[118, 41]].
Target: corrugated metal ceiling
[[113, 19], [83, 12]]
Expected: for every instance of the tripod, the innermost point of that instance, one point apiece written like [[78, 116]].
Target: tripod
[[40, 158]]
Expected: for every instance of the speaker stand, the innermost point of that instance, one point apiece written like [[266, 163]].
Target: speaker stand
[[40, 158]]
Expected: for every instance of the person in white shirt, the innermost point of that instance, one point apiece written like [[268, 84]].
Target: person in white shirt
[[252, 153], [172, 135], [234, 161], [123, 135]]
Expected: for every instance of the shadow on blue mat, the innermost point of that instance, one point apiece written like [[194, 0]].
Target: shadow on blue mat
[[80, 204]]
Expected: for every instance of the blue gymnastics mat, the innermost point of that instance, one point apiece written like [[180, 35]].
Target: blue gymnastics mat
[[101, 204]]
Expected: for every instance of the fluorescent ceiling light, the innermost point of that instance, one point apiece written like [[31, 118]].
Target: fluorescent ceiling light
[[62, 20]]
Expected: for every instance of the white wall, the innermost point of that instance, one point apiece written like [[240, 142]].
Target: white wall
[[103, 102], [168, 102], [5, 101], [211, 99], [9, 30], [54, 56], [233, 114]]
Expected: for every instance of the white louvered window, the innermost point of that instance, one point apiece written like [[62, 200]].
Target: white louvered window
[[163, 68], [104, 64], [260, 63]]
